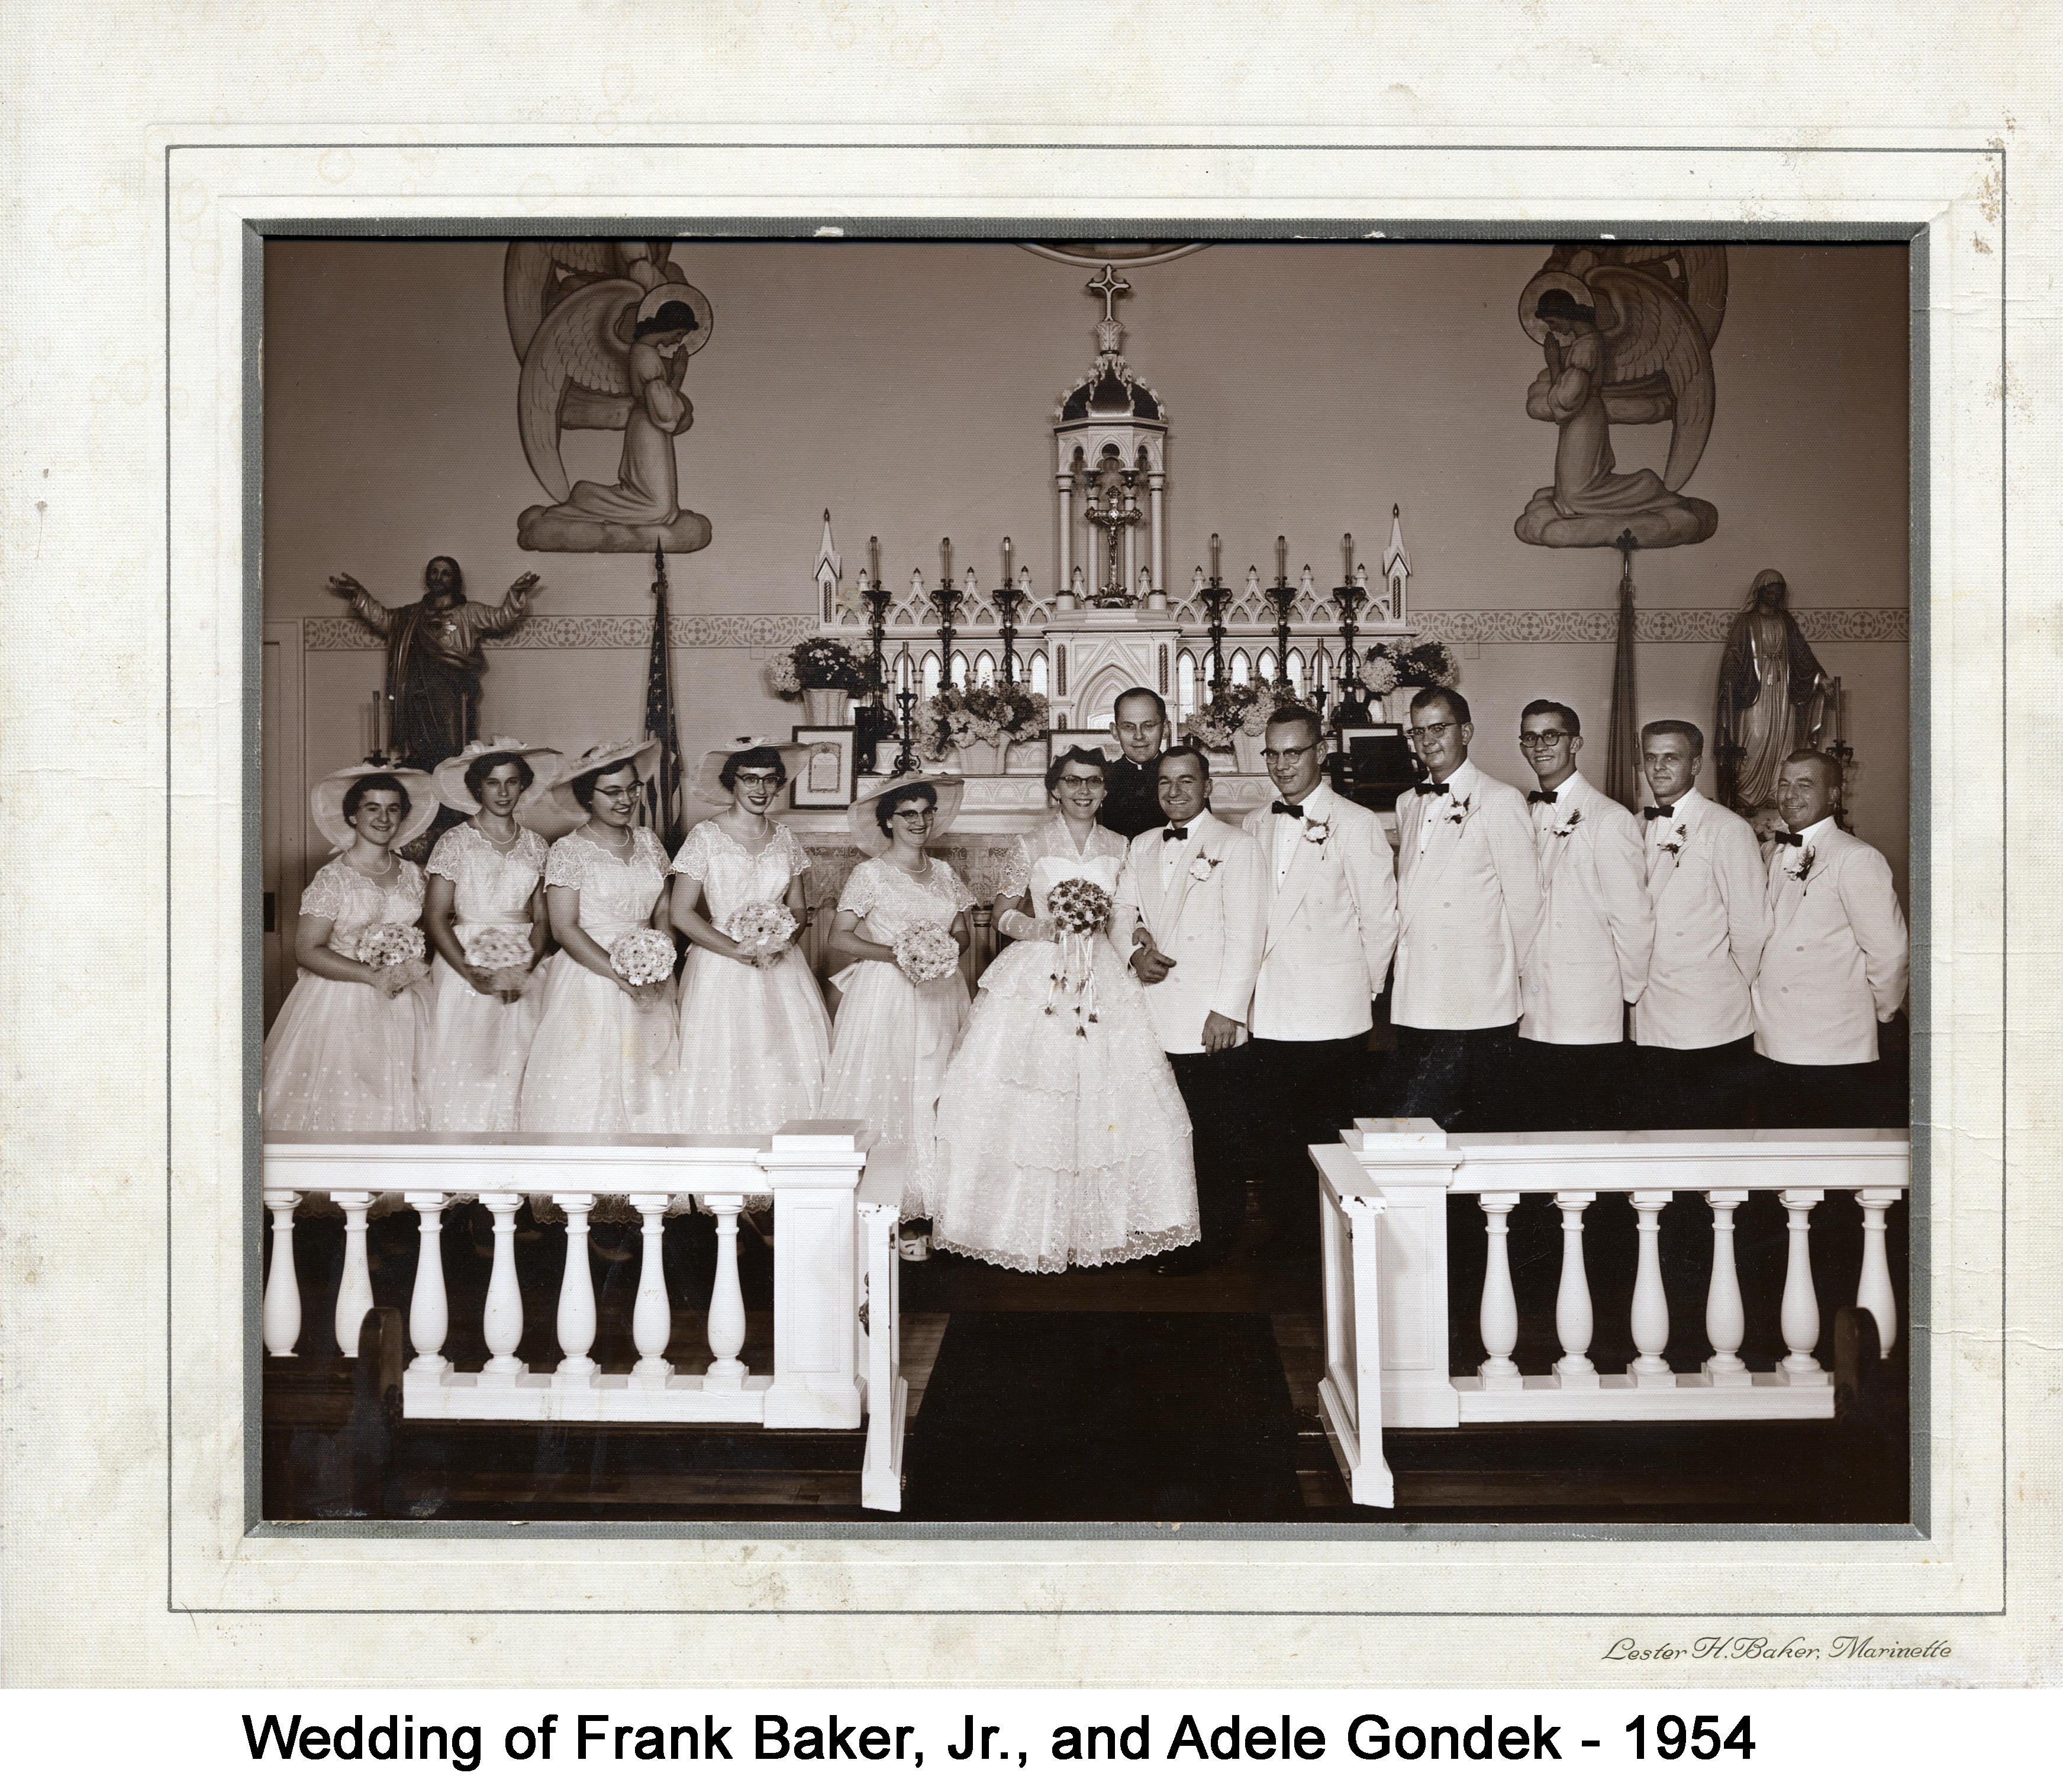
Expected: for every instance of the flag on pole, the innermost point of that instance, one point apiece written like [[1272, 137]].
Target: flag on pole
[[1622, 743], [662, 798]]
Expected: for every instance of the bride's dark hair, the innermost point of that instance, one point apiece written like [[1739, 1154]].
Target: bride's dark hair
[[1087, 755]]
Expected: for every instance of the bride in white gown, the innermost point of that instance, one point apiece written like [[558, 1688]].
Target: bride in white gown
[[1061, 1139]]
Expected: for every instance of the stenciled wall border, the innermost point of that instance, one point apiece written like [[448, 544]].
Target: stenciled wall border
[[1491, 628]]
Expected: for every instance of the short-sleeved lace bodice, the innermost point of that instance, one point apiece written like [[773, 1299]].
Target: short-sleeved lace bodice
[[1046, 857], [891, 902], [614, 896], [354, 902], [492, 886], [731, 875]]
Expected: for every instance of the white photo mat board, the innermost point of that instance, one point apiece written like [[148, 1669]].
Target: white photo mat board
[[1448, 1605]]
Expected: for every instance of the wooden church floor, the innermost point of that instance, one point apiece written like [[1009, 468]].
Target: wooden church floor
[[1238, 1349]]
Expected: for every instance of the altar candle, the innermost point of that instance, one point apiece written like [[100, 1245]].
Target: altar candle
[[874, 559], [1006, 560], [1282, 560], [1346, 547], [379, 714], [945, 560], [1214, 558]]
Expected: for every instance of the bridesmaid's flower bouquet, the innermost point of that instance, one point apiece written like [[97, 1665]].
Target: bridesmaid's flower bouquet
[[763, 928], [644, 956], [925, 952], [395, 949], [505, 954], [1081, 906]]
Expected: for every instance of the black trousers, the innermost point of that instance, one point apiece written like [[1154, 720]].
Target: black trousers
[[1459, 1079], [1565, 1088], [1217, 1090], [1826, 1095], [1701, 1088], [1304, 1092]]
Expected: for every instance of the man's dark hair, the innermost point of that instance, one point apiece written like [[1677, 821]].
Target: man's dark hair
[[1690, 730], [1188, 750], [1296, 712], [1457, 704], [1548, 707], [1814, 756]]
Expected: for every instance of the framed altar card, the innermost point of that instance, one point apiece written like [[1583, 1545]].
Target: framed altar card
[[1096, 740], [826, 780]]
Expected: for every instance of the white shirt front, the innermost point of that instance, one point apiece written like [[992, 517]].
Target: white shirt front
[[1461, 784], [1790, 858], [1546, 817], [1316, 805], [1171, 851]]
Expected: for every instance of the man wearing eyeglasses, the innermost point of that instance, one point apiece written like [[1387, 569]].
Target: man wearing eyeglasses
[[1469, 907], [1589, 960], [1332, 925], [1693, 1027], [1131, 801]]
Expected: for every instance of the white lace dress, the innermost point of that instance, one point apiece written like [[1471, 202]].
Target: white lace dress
[[342, 1057], [753, 1043], [1061, 1137], [598, 1061], [893, 1038], [479, 1044]]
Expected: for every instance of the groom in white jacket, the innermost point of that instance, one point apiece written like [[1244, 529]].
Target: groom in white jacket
[[1191, 903]]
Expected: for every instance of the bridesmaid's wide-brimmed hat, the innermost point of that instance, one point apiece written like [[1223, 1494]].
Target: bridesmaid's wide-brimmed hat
[[866, 830], [326, 800], [560, 813], [544, 763], [707, 788]]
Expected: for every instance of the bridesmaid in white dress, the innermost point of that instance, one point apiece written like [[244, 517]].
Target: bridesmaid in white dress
[[1061, 1137], [487, 874], [893, 1038], [343, 1054], [598, 1061], [754, 1035]]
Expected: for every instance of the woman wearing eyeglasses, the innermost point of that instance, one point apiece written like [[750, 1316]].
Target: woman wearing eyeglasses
[[1061, 1137], [753, 1036], [598, 1061]]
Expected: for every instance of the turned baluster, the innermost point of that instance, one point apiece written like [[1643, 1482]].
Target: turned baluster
[[501, 1323], [282, 1326], [1873, 1290], [1725, 1323], [1651, 1303], [1573, 1317], [429, 1315], [726, 1307], [652, 1317], [576, 1295], [1801, 1305], [1498, 1314], [354, 1292]]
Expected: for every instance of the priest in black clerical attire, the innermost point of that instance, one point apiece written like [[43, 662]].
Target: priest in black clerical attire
[[1132, 802]]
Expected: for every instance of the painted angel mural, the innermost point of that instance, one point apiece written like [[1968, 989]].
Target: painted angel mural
[[603, 331], [1627, 330]]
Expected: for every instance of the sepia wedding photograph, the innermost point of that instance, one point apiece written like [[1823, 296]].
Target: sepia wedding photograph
[[964, 884]]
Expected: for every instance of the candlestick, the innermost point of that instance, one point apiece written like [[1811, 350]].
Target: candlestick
[[1214, 560], [1346, 546], [379, 711], [874, 559], [946, 559], [1007, 579], [1281, 558]]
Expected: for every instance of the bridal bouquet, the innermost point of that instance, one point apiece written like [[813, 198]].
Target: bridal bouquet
[[925, 952], [394, 945], [505, 953], [763, 928], [1079, 906], [643, 956]]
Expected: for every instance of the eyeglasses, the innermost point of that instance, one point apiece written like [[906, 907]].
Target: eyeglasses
[[913, 814], [770, 780], [1431, 733], [629, 789], [1546, 737], [1277, 756], [1081, 783]]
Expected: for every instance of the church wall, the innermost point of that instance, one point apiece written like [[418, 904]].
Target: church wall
[[909, 389]]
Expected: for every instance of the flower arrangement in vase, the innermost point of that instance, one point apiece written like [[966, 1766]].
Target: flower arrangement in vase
[[1237, 718], [1387, 670], [822, 673], [981, 722]]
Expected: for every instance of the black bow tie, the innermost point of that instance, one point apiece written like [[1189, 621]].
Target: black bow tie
[[1533, 796], [1174, 834], [1281, 808], [1660, 810], [1783, 839], [1430, 790]]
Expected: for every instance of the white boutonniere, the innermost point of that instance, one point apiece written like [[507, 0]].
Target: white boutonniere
[[1316, 830], [1201, 868], [1458, 813], [1803, 869], [1569, 826]]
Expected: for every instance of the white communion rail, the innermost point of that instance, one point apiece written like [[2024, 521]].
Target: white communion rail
[[1384, 1197], [836, 1308]]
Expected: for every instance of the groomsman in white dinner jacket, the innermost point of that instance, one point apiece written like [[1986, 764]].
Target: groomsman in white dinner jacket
[[1834, 971], [1694, 1027], [1191, 900], [1332, 926], [1572, 1066], [1469, 907]]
